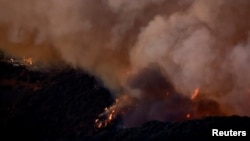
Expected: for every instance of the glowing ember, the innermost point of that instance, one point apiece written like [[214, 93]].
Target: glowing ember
[[28, 60], [188, 115], [195, 94]]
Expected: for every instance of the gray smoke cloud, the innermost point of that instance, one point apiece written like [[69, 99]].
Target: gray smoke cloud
[[192, 44]]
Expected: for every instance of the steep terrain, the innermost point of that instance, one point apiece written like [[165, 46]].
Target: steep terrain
[[63, 105]]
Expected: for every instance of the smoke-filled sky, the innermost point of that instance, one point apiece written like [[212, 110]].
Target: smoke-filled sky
[[143, 49]]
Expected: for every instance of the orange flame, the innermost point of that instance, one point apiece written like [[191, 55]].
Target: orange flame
[[110, 116], [195, 94], [109, 113], [28, 60]]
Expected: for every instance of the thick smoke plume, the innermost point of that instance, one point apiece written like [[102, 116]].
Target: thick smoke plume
[[152, 54]]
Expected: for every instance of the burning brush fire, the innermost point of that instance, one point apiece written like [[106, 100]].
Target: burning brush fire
[[110, 113], [195, 94], [108, 116], [27, 60], [162, 59], [192, 109]]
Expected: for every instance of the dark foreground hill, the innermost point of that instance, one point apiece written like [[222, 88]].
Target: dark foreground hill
[[63, 105]]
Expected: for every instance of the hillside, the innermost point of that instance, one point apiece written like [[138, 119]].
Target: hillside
[[63, 105]]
